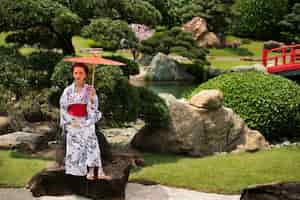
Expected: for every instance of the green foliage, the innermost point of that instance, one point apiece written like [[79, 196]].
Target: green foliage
[[217, 14], [163, 7], [259, 18], [44, 63], [52, 24], [153, 109], [139, 11], [62, 75], [174, 41], [15, 72], [290, 25], [66, 22], [268, 103], [5, 99], [131, 68], [108, 33], [46, 23], [181, 43]]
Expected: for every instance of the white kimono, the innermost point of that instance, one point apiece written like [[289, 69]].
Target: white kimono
[[82, 147]]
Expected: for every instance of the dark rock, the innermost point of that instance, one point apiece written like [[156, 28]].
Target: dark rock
[[276, 191], [23, 141], [55, 182]]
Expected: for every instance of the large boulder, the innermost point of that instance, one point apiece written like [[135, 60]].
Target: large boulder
[[200, 127], [164, 68], [275, 191], [204, 38]]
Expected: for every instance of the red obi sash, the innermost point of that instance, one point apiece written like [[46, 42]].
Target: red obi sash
[[78, 110]]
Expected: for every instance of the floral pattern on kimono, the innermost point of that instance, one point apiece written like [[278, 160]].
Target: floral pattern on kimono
[[82, 147]]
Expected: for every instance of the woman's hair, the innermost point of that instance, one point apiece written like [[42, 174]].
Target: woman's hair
[[84, 66]]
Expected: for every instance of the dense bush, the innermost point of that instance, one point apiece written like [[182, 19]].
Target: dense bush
[[131, 68], [15, 76], [268, 103], [108, 33], [259, 18], [153, 109], [290, 25], [44, 63]]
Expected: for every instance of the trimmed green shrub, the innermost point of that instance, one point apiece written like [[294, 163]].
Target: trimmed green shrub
[[268, 103], [44, 63], [131, 68], [259, 18], [153, 109]]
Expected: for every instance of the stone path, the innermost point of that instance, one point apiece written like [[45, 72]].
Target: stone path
[[133, 192]]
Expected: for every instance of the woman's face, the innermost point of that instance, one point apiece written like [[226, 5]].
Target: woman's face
[[79, 75]]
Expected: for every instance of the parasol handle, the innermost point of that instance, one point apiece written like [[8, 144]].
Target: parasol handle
[[93, 75]]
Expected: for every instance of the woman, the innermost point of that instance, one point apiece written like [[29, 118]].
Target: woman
[[78, 115]]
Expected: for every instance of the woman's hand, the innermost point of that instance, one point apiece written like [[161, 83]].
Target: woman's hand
[[91, 93]]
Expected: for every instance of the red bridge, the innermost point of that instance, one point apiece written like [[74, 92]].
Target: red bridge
[[284, 60]]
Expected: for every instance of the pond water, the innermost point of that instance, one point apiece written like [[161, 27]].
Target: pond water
[[178, 89]]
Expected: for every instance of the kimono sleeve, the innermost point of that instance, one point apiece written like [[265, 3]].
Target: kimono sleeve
[[94, 114], [65, 118]]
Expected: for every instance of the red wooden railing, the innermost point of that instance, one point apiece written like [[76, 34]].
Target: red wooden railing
[[286, 58]]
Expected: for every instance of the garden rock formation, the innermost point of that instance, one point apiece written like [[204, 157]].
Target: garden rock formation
[[204, 38], [200, 127], [164, 68]]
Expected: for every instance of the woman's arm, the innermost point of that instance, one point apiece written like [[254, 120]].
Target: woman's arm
[[94, 114]]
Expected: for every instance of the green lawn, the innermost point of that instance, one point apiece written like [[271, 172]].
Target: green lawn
[[228, 64], [252, 48], [222, 174], [16, 169]]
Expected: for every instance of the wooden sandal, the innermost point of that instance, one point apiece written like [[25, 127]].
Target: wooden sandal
[[103, 176], [90, 177]]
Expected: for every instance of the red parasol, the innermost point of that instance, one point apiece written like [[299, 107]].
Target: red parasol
[[94, 60]]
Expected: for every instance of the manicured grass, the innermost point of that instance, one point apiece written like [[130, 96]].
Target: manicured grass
[[228, 64], [222, 174], [16, 169], [254, 49]]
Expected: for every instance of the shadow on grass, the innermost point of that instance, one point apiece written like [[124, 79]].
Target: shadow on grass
[[152, 159]]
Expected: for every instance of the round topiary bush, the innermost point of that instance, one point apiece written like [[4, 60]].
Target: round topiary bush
[[268, 103], [153, 109]]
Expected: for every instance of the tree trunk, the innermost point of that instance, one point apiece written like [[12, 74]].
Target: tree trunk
[[67, 46]]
